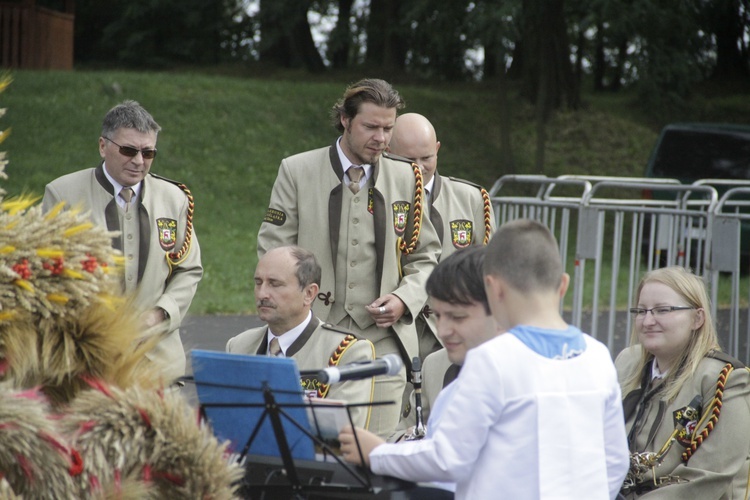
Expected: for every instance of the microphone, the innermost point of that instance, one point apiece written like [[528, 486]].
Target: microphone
[[416, 379], [390, 364]]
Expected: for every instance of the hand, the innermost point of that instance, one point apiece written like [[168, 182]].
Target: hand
[[153, 317], [367, 442], [386, 310]]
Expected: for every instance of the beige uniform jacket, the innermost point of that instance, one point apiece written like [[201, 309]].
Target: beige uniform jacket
[[313, 350], [159, 199], [305, 210], [718, 469], [457, 212], [437, 372]]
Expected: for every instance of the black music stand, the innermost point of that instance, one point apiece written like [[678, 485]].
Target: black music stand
[[280, 461]]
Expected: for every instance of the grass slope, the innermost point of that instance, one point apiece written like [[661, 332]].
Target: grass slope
[[224, 136]]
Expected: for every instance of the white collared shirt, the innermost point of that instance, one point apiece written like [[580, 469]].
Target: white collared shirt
[[119, 187], [428, 189], [346, 163], [655, 372], [287, 338]]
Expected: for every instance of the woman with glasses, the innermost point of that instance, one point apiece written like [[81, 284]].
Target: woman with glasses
[[686, 404]]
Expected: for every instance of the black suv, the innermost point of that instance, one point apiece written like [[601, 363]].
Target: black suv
[[692, 151]]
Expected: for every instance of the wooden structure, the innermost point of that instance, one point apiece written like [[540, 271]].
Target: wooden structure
[[35, 37]]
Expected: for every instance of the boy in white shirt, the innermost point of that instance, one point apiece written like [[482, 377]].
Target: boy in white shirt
[[535, 412]]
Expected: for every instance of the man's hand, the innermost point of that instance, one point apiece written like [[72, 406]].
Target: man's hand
[[367, 441], [153, 317], [386, 310]]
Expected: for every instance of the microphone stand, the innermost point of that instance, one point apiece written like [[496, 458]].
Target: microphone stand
[[418, 432]]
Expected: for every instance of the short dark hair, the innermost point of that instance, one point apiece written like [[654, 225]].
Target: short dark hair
[[525, 254], [378, 92], [129, 114], [458, 278], [307, 269]]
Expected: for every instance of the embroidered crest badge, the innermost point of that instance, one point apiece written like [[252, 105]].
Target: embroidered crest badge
[[462, 232], [400, 214], [687, 417], [167, 229]]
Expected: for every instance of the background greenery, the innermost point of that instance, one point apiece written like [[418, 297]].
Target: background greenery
[[224, 136]]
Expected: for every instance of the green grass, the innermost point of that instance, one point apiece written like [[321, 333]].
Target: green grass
[[224, 136]]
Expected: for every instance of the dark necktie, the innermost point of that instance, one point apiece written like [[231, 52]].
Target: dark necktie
[[355, 175]]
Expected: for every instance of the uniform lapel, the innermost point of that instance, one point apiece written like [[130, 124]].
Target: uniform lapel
[[263, 344], [334, 204], [144, 227], [450, 374], [110, 210], [303, 338], [380, 216], [435, 217]]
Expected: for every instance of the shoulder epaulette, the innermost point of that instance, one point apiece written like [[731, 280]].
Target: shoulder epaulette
[[167, 179], [395, 157], [726, 358], [464, 181], [339, 329]]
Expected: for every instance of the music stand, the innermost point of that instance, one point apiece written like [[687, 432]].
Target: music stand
[[244, 397], [230, 389]]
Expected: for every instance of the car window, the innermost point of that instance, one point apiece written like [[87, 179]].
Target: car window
[[693, 154]]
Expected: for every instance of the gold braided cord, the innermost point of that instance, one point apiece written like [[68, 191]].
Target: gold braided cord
[[418, 196], [487, 212], [335, 359], [177, 258], [716, 405]]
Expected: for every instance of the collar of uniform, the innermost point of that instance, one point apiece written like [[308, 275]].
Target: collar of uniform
[[286, 339], [346, 163]]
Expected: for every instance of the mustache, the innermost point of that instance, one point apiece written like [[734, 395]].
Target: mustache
[[265, 303]]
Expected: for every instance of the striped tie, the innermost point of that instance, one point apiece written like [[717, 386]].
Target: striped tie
[[274, 348], [126, 194]]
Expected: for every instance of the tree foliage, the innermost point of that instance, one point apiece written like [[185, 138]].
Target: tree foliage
[[660, 46]]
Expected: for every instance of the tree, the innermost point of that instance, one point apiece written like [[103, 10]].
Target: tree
[[340, 41], [128, 31], [286, 38], [729, 21], [386, 46], [548, 80]]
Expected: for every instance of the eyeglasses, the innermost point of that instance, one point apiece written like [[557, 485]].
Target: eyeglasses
[[657, 312], [148, 154]]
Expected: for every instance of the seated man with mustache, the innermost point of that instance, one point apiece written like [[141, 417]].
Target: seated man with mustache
[[287, 280]]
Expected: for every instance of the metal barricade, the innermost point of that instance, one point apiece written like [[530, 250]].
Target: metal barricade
[[670, 231], [628, 233], [732, 212], [556, 213]]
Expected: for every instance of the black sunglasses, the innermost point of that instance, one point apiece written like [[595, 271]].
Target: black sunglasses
[[148, 154]]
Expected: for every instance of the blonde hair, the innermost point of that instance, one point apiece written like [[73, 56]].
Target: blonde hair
[[703, 340]]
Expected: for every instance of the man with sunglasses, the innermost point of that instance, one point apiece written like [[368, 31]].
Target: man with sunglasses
[[153, 218]]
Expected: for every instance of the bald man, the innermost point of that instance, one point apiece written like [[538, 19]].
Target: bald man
[[458, 209]]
